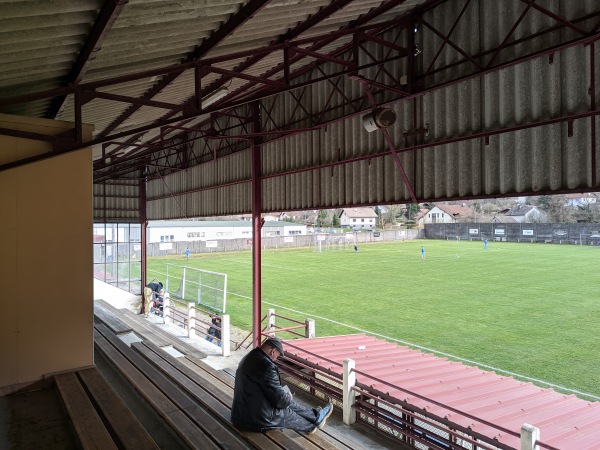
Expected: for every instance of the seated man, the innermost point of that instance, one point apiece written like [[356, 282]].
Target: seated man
[[261, 403], [215, 330], [157, 306], [151, 291]]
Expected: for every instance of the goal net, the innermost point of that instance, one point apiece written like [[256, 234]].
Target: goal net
[[333, 242], [202, 287]]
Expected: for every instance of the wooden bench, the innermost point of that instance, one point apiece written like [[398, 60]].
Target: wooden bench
[[220, 384], [147, 330], [111, 320], [99, 417], [194, 425], [227, 376], [202, 392]]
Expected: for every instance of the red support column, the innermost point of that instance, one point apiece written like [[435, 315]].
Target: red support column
[[144, 223], [256, 229]]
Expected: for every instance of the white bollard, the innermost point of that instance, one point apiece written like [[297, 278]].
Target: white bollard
[[529, 436], [349, 395], [225, 335], [167, 309], [191, 316], [271, 322], [310, 328]]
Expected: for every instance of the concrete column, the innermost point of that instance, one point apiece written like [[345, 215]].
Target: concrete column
[[310, 328], [349, 395], [167, 309], [271, 322], [191, 316], [529, 436], [225, 335]]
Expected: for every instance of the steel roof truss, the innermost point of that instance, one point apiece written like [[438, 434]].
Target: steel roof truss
[[556, 17], [111, 9], [508, 36], [245, 12]]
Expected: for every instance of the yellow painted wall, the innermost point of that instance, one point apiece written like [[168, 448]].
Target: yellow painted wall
[[46, 295]]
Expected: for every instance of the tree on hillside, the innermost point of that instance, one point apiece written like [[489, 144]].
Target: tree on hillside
[[588, 213], [393, 211], [559, 212], [379, 220], [322, 219], [335, 220], [411, 211]]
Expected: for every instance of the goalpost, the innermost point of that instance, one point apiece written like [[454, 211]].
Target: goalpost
[[324, 242], [202, 287]]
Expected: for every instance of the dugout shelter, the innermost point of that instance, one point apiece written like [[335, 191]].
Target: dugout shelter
[[125, 111]]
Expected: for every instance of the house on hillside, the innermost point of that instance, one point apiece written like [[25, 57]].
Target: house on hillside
[[419, 218], [448, 214], [363, 218], [501, 218], [581, 199], [525, 214]]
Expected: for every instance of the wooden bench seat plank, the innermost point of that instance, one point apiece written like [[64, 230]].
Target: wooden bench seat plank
[[214, 399], [209, 370], [90, 430], [175, 418], [217, 402], [147, 330], [290, 440], [200, 384], [342, 440], [204, 420], [220, 385], [199, 387], [111, 320], [128, 429]]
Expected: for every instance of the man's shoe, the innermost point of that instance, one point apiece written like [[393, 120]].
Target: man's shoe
[[324, 413]]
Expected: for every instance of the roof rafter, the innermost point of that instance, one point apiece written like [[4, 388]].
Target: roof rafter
[[249, 9], [106, 18]]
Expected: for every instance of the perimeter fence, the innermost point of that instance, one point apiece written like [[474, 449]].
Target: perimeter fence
[[275, 242], [548, 233]]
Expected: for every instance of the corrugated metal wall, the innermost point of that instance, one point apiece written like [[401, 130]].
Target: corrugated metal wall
[[117, 202], [304, 171]]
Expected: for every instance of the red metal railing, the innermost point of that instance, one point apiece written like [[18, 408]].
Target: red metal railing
[[391, 415], [271, 329]]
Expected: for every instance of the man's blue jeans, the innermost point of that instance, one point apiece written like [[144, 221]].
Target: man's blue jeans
[[299, 418]]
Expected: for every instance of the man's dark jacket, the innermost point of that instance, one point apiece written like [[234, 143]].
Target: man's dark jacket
[[258, 399]]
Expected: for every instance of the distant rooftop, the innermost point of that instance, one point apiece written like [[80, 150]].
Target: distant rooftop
[[215, 223]]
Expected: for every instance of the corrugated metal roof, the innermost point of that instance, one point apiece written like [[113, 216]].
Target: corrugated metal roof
[[478, 92], [565, 422]]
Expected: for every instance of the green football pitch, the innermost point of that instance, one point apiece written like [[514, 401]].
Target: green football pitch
[[528, 310]]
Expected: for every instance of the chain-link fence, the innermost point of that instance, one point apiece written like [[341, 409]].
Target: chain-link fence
[[554, 233]]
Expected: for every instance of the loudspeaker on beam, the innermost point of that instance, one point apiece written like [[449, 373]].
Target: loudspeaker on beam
[[379, 118]]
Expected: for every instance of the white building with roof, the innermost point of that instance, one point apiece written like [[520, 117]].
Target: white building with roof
[[448, 214], [208, 230], [358, 218]]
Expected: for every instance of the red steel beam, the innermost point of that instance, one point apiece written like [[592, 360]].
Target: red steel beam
[[239, 18], [256, 228], [111, 9]]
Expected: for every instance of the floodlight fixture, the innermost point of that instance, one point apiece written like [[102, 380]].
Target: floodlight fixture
[[214, 97]]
